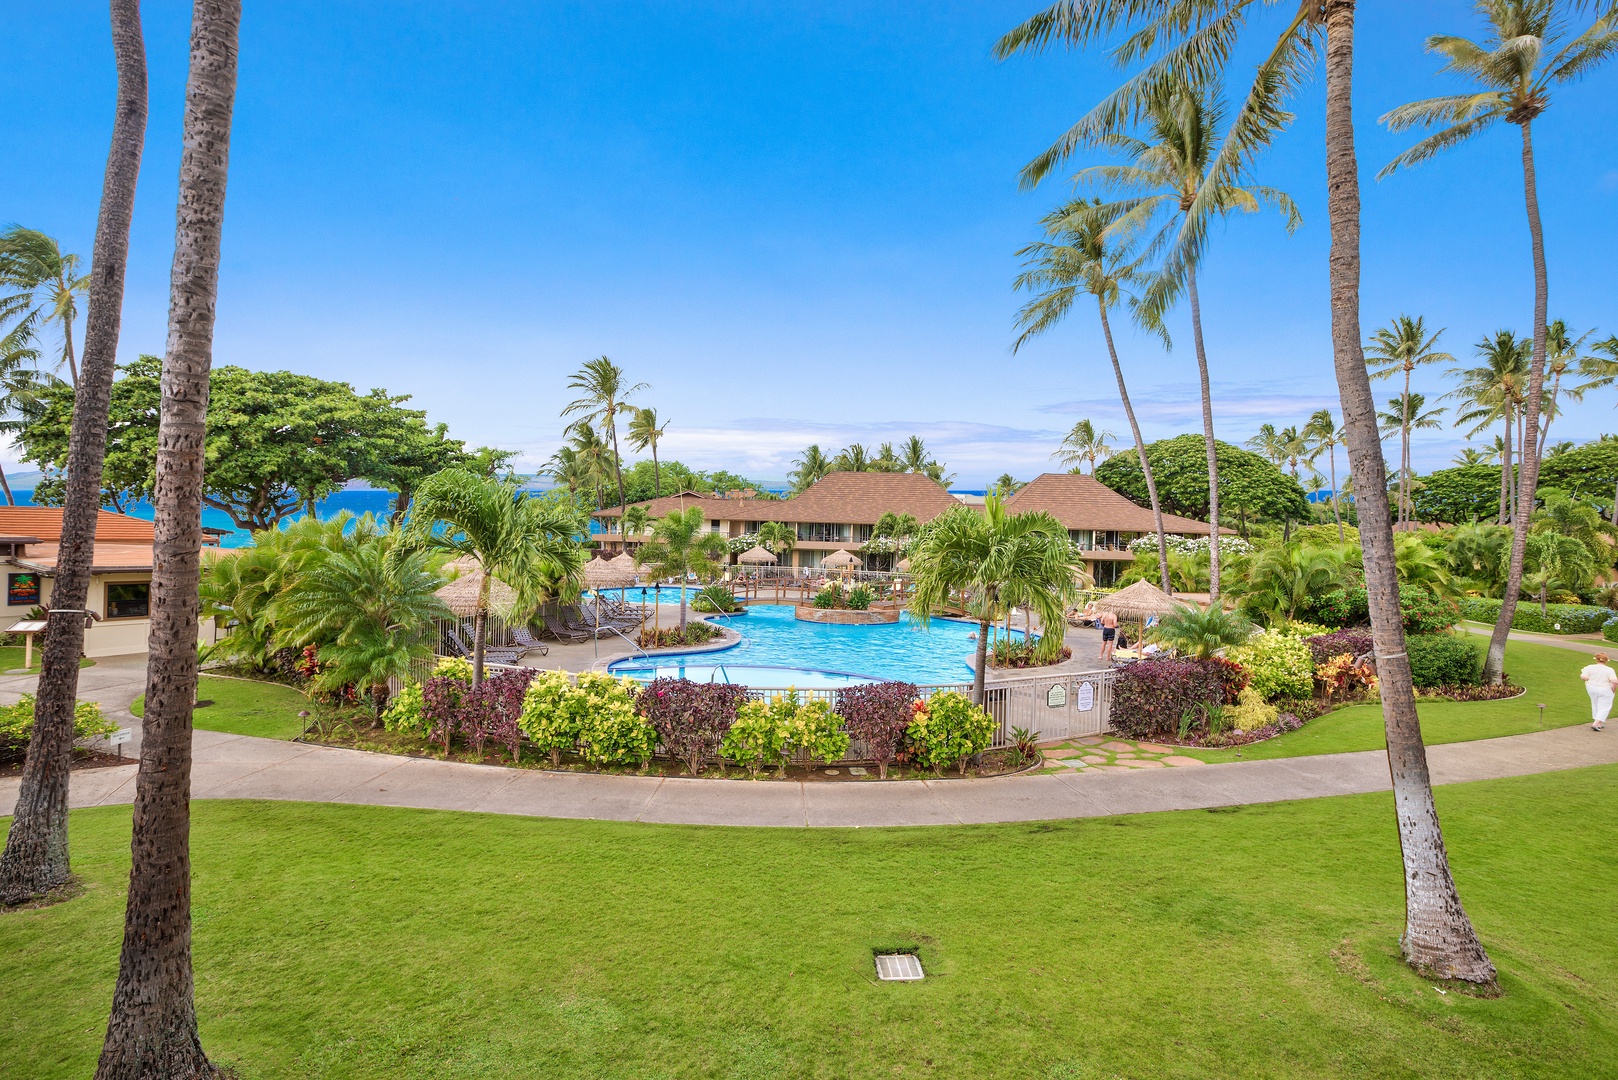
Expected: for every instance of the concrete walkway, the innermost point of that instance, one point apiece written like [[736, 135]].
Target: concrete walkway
[[1577, 643], [238, 767]]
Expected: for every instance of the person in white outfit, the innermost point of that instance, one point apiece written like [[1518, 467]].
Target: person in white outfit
[[1599, 682]]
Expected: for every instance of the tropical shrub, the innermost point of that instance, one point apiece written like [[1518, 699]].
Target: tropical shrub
[[1152, 696], [441, 699], [1421, 611], [829, 597], [1557, 619], [817, 733], [1340, 643], [1424, 613], [1278, 665], [947, 729], [611, 729], [859, 598], [1019, 652], [1339, 676], [403, 714], [17, 724], [549, 716], [454, 667], [1251, 711], [758, 736], [696, 632], [1198, 632], [493, 709], [1337, 607], [876, 715], [1444, 660], [1609, 629], [690, 718], [715, 598]]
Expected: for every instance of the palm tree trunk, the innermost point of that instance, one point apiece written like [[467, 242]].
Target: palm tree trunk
[[1438, 936], [1548, 414], [152, 1030], [1208, 435], [617, 462], [657, 473], [36, 852], [1528, 470], [480, 628], [6, 487], [67, 351], [1140, 449], [1404, 445], [1335, 509], [1505, 471], [682, 605], [981, 663]]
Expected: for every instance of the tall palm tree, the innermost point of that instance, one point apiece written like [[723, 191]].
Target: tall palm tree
[[1325, 438], [682, 546], [1401, 347], [35, 859], [994, 559], [1562, 359], [779, 537], [1005, 485], [21, 389], [152, 1027], [1524, 54], [1471, 455], [914, 458], [602, 383], [645, 431], [811, 466], [1171, 196], [45, 285], [1405, 414], [1083, 445], [528, 543], [853, 458], [1495, 391], [1174, 39], [635, 520], [1078, 259]]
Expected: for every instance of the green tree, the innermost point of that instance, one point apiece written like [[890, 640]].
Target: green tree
[[992, 559], [1556, 561], [1400, 348], [914, 458], [42, 286], [779, 538], [1005, 485], [529, 543], [1404, 415], [1589, 472], [1324, 438], [808, 468], [1083, 445], [1494, 392], [635, 520], [1280, 581], [1251, 487], [1471, 455], [645, 432], [601, 382], [1268, 442], [402, 449], [1201, 631], [1562, 359], [1465, 493], [852, 458], [682, 546]]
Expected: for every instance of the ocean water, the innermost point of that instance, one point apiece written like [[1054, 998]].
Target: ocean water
[[379, 503]]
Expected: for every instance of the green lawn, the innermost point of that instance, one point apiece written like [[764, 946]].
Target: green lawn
[[11, 657], [342, 941], [241, 707], [1550, 675]]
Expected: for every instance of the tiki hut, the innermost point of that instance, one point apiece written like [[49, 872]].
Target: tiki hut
[[841, 559], [1139, 601], [602, 574], [461, 595], [758, 555]]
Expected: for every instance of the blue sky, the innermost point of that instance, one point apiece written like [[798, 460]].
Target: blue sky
[[795, 220]]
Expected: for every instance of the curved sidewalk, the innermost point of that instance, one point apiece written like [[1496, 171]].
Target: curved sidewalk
[[239, 767]]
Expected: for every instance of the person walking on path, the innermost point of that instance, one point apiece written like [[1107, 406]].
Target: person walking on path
[[1599, 682], [1109, 631]]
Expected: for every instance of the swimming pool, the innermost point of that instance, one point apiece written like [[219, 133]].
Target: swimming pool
[[646, 594], [778, 650]]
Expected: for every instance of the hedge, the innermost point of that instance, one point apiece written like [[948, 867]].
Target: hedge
[[1559, 618], [1444, 660], [1609, 629], [1151, 696], [1421, 611]]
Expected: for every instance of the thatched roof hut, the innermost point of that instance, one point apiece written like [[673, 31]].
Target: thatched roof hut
[[758, 555], [841, 558], [609, 574], [1139, 601], [461, 595]]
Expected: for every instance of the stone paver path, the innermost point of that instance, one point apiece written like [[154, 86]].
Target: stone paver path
[[1108, 753]]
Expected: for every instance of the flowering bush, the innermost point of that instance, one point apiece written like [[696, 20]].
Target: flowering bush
[[17, 723], [831, 596], [876, 715], [1191, 545], [1424, 613], [947, 729], [1341, 643], [1278, 665], [690, 718], [491, 710], [308, 665], [1153, 697]]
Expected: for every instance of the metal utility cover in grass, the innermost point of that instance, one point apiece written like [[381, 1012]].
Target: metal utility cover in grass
[[898, 967]]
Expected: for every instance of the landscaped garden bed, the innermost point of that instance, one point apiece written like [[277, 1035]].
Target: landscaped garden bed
[[89, 724]]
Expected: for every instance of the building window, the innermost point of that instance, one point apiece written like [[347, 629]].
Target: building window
[[1106, 572], [129, 600], [862, 533], [1084, 538], [22, 590]]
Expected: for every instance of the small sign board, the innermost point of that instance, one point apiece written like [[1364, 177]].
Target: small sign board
[[1056, 697], [121, 736], [1087, 697], [22, 590]]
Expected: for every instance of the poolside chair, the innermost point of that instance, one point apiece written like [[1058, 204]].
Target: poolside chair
[[525, 637], [456, 645], [493, 654], [557, 629]]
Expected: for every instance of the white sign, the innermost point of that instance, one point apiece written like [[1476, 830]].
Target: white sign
[[1087, 697], [1056, 696], [121, 736]]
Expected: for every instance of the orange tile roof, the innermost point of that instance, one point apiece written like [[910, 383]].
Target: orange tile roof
[[108, 557], [45, 522], [1083, 502]]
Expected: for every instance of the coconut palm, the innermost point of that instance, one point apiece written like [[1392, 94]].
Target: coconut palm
[[634, 521], [778, 538], [811, 466], [914, 458], [1562, 358], [682, 546], [1201, 631], [371, 610], [152, 1026], [585, 463], [1005, 485], [35, 859], [1524, 53], [1268, 443], [1400, 348], [645, 431], [526, 542], [1494, 392], [853, 458], [1404, 415], [40, 287], [1471, 455], [1324, 438], [993, 559], [1170, 41], [1082, 446], [1078, 259], [602, 383]]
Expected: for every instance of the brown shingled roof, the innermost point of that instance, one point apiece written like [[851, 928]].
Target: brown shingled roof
[[848, 498], [1083, 502], [729, 509], [45, 522]]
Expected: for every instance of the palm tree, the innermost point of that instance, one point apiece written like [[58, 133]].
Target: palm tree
[[886, 460], [645, 430], [46, 284], [1083, 445], [528, 543], [1325, 438], [1174, 39], [1494, 391], [812, 466], [914, 458], [853, 458], [1077, 259], [1005, 486], [1471, 455], [1562, 358], [602, 383], [1171, 195], [1201, 632], [21, 385], [1402, 347], [681, 546], [634, 522], [1521, 57], [1279, 581], [779, 538], [585, 463], [1405, 415], [1268, 442], [994, 558], [35, 859], [152, 1026]]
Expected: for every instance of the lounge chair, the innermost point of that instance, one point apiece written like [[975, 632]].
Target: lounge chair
[[492, 654], [525, 637], [562, 632]]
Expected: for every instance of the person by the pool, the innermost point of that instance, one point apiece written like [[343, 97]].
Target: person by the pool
[[1109, 632]]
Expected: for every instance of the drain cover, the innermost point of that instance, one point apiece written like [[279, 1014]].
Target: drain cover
[[898, 967]]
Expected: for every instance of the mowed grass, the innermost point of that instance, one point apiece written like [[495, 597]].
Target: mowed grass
[[11, 658], [1549, 674], [243, 707], [343, 941]]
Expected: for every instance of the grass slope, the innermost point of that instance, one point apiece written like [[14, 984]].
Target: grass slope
[[342, 941], [241, 707], [1549, 674]]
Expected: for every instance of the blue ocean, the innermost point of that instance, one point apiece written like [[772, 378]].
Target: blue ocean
[[360, 501]]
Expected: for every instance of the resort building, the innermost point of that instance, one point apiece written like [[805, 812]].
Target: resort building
[[1101, 522], [840, 512]]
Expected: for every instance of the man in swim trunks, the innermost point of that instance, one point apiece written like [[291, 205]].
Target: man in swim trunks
[[1109, 632]]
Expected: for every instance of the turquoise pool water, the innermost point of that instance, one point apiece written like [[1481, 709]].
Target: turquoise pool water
[[642, 594], [778, 650]]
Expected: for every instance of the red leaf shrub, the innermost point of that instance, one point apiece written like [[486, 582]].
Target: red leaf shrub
[[690, 718], [491, 710], [876, 715], [1341, 643], [1151, 696], [441, 698]]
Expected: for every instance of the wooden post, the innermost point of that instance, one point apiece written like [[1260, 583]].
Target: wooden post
[[27, 651]]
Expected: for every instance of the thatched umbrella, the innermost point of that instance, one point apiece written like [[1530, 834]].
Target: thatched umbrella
[[602, 574], [841, 558], [903, 567], [757, 556], [1139, 601], [461, 595]]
